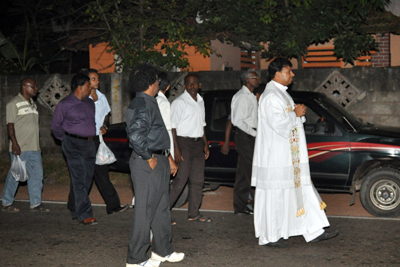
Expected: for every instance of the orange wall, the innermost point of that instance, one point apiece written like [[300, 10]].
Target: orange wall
[[100, 59]]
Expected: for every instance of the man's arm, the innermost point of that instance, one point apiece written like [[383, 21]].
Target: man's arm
[[228, 130], [177, 151], [104, 128], [206, 150], [57, 122], [15, 148], [138, 127]]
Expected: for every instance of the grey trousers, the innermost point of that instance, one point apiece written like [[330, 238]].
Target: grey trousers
[[152, 210]]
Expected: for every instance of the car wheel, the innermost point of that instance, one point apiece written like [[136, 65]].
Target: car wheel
[[183, 198], [380, 192]]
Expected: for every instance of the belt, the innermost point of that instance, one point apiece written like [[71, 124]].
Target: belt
[[89, 138], [193, 139], [162, 152]]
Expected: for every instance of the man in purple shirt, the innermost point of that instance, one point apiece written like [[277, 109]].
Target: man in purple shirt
[[74, 124]]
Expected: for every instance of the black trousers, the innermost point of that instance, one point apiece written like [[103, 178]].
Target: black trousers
[[152, 210], [106, 188], [81, 156], [192, 169], [245, 148]]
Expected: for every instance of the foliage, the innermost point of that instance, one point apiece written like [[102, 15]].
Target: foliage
[[36, 33], [16, 60], [290, 26], [135, 28]]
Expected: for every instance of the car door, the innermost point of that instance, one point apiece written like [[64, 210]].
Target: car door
[[328, 147], [220, 168]]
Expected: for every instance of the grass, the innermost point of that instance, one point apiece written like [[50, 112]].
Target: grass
[[55, 170]]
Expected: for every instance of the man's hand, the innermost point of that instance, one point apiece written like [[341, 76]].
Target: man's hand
[[15, 149], [153, 163], [103, 130], [178, 155], [172, 165], [206, 151], [225, 148], [300, 110]]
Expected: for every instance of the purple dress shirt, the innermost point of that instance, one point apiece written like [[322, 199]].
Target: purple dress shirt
[[74, 116]]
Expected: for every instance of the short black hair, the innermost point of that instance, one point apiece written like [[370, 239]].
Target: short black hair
[[142, 76], [93, 71], [277, 65], [164, 81], [78, 80], [191, 74], [260, 89], [88, 71]]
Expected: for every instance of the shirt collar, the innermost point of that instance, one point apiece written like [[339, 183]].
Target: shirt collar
[[280, 86], [141, 94], [199, 98], [160, 94], [247, 91]]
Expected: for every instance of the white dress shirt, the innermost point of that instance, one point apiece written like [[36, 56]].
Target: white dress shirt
[[101, 111], [165, 109], [188, 116], [244, 111]]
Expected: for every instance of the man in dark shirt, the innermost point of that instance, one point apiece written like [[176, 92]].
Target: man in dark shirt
[[151, 166], [74, 124]]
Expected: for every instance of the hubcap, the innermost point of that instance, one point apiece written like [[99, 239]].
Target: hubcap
[[385, 194]]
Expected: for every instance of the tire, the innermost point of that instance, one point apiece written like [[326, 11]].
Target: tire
[[183, 198], [380, 192]]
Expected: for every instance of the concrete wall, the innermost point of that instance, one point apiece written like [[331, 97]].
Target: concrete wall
[[380, 105]]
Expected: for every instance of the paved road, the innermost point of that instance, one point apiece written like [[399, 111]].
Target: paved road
[[53, 239]]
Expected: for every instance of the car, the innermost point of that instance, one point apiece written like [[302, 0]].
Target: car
[[346, 154]]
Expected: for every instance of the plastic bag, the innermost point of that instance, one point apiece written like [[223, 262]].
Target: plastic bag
[[104, 154], [18, 170]]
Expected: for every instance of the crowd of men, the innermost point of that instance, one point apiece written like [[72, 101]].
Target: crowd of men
[[170, 140]]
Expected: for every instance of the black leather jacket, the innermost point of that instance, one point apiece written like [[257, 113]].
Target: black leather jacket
[[145, 126]]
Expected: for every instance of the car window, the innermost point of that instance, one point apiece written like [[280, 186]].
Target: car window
[[221, 112], [318, 125]]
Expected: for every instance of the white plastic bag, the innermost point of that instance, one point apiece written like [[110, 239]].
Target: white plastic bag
[[18, 170], [104, 154]]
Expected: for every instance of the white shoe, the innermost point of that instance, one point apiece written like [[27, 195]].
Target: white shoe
[[174, 257], [148, 263]]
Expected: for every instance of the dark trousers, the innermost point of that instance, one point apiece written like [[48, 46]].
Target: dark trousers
[[245, 148], [152, 210], [192, 168], [106, 188], [80, 155]]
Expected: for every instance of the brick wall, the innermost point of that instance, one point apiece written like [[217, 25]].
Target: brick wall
[[382, 58]]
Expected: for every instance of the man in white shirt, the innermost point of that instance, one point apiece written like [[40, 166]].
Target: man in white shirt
[[190, 144], [106, 188], [165, 106], [244, 118], [286, 202]]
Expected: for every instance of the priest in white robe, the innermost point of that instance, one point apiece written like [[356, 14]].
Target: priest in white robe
[[286, 202]]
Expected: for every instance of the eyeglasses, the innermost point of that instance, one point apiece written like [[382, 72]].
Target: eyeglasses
[[255, 77]]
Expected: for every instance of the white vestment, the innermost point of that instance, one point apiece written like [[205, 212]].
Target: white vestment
[[280, 140]]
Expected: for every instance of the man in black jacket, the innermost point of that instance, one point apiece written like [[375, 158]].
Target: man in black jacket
[[151, 166]]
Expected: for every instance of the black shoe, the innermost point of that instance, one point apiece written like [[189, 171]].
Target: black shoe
[[325, 236], [243, 212], [119, 209], [278, 244]]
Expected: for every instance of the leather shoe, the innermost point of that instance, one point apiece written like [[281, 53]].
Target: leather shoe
[[278, 244], [118, 209], [243, 212], [325, 236], [89, 221]]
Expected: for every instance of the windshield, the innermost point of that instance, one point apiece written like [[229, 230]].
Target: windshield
[[338, 112]]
